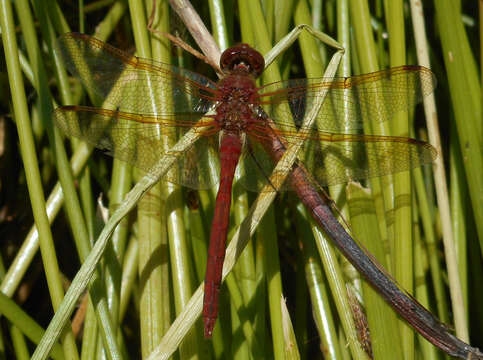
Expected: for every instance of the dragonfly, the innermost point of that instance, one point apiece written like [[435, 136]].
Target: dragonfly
[[244, 128]]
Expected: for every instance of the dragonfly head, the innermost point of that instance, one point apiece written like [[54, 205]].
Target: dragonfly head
[[242, 59]]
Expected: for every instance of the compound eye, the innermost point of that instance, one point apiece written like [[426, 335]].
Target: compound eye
[[242, 58]]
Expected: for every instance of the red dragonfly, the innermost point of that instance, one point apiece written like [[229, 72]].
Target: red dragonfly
[[248, 124]]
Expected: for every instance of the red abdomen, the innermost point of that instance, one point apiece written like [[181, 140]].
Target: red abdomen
[[230, 150]]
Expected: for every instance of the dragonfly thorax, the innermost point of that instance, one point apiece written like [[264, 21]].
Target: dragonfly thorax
[[238, 95]]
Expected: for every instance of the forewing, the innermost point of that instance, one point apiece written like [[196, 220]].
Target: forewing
[[140, 141], [350, 101], [133, 84]]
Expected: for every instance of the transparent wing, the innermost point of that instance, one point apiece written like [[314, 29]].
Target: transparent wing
[[336, 158], [350, 100], [133, 84], [139, 140]]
